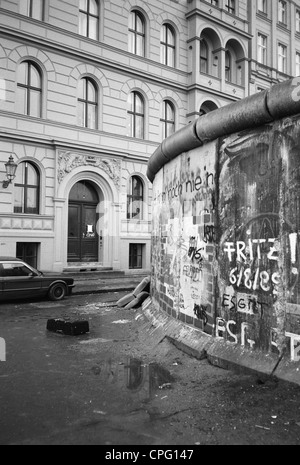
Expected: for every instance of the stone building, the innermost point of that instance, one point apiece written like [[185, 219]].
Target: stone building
[[90, 88]]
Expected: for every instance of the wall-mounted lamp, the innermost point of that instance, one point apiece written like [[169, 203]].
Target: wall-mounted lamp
[[11, 168]]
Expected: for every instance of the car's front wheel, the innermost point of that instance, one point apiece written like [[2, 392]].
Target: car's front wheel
[[57, 292]]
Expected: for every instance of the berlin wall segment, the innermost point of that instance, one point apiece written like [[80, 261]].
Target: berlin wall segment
[[258, 256], [183, 240], [226, 238]]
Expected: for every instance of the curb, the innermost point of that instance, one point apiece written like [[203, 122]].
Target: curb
[[103, 290], [217, 351], [186, 338]]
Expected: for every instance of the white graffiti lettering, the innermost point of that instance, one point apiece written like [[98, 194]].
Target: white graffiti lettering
[[255, 280], [243, 303], [223, 331], [254, 250]]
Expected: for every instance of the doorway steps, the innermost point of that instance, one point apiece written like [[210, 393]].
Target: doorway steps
[[88, 269]]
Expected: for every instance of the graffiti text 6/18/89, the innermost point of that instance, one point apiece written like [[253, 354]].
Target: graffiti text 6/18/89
[[255, 281]]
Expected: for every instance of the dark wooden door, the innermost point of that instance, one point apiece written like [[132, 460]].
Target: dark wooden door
[[82, 233]]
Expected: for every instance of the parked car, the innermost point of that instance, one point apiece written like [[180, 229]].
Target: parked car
[[18, 280]]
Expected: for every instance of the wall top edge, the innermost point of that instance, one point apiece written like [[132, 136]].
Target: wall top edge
[[280, 101]]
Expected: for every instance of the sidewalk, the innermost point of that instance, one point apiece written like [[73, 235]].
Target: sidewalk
[[219, 352], [104, 281]]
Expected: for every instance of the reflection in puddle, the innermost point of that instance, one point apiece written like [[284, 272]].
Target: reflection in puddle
[[136, 377]]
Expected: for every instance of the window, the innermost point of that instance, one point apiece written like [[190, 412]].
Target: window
[[207, 107], [168, 119], [137, 33], [136, 256], [282, 58], [262, 6], [135, 199], [262, 49], [35, 9], [27, 251], [136, 115], [297, 20], [29, 89], [167, 45], [228, 66], [89, 18], [87, 104], [203, 56], [214, 2], [230, 6], [27, 189], [15, 270], [297, 63], [282, 12]]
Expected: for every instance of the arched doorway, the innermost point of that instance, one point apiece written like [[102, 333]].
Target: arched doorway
[[83, 240]]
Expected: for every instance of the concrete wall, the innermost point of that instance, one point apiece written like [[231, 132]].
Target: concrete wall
[[183, 226], [225, 244]]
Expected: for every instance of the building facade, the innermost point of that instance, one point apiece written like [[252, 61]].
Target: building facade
[[90, 88]]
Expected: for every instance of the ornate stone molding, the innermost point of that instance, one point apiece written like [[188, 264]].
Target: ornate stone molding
[[68, 161]]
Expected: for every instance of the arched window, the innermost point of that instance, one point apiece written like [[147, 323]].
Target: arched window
[[210, 46], [168, 119], [27, 189], [87, 104], [89, 18], [135, 199], [137, 33], [235, 63], [136, 112], [207, 107], [29, 89], [203, 56], [167, 45], [228, 66]]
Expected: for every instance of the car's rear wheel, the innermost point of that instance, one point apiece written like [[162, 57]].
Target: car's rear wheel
[[57, 292]]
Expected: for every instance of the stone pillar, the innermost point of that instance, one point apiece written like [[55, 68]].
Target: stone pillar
[[115, 239], [60, 235], [222, 70]]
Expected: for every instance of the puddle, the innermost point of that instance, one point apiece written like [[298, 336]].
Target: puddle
[[134, 378]]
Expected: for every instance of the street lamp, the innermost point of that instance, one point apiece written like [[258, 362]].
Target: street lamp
[[10, 168]]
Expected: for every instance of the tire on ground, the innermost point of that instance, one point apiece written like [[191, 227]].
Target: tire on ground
[[57, 292]]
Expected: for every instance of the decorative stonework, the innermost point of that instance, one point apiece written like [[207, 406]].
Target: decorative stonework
[[26, 224], [68, 161]]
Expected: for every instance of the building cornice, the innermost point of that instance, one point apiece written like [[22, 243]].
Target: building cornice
[[79, 55], [222, 24], [46, 141], [263, 17], [217, 93]]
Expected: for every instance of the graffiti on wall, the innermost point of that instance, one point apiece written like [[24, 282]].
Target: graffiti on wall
[[259, 253], [226, 240], [184, 236]]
